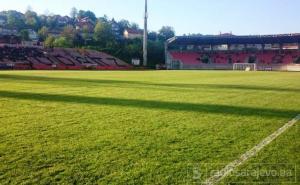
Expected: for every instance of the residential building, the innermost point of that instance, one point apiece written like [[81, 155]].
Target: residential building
[[133, 33]]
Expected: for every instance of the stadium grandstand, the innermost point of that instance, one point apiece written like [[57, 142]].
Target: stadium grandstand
[[226, 51], [11, 39], [20, 57]]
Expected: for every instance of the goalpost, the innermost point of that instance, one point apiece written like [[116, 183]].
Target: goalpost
[[245, 66]]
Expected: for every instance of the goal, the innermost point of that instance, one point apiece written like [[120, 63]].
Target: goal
[[244, 67]]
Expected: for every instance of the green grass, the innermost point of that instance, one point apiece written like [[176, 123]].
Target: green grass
[[141, 127], [283, 155]]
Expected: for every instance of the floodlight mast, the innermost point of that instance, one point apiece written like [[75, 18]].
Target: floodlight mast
[[145, 41]]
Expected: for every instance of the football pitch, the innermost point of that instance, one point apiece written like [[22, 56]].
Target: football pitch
[[146, 127]]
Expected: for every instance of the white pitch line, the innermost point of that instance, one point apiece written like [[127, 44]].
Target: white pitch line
[[217, 177]]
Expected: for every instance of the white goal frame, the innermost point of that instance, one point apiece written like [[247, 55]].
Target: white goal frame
[[245, 66]]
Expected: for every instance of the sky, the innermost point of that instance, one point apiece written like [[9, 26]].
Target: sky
[[241, 17]]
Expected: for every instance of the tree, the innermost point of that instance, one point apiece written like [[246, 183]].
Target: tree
[[156, 53], [43, 20], [103, 34], [43, 33], [52, 22], [103, 37], [69, 32], [85, 34], [80, 14], [123, 24], [15, 20], [49, 42], [89, 14], [24, 35], [31, 19], [78, 40], [134, 26], [69, 35], [103, 19], [152, 36], [166, 32], [131, 49], [74, 13], [63, 42]]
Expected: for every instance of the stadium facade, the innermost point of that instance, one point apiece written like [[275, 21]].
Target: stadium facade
[[268, 52]]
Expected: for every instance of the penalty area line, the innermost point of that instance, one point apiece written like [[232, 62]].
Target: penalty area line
[[217, 177]]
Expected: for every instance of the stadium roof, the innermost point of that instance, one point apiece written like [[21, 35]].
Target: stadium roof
[[233, 39]]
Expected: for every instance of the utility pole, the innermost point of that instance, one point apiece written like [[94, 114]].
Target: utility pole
[[145, 42]]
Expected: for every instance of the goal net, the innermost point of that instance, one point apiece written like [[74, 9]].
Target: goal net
[[244, 67]]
